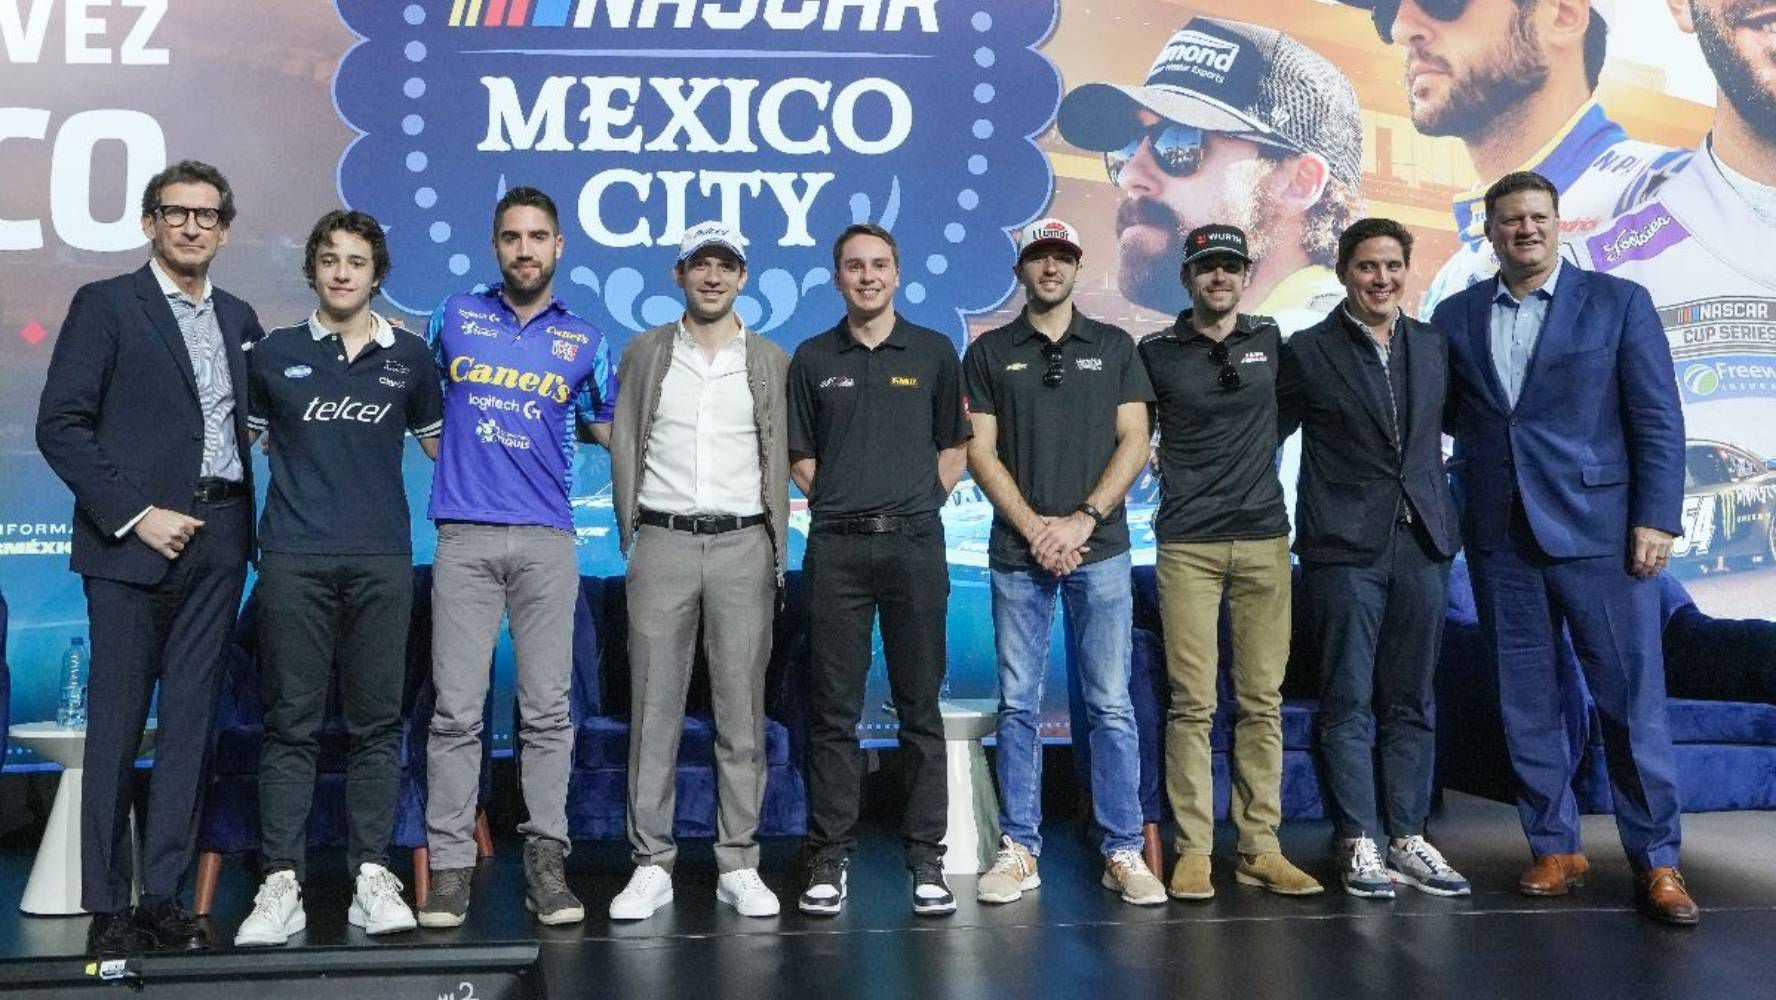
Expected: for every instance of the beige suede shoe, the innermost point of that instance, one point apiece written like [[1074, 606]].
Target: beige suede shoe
[[1275, 873], [1190, 878]]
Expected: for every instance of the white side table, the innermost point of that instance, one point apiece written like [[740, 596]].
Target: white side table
[[973, 835], [54, 887]]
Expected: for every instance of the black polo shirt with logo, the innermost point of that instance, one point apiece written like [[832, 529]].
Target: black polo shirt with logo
[[337, 430], [1055, 440], [874, 420], [1217, 446]]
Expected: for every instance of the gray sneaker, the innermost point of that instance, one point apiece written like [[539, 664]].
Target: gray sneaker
[[447, 902], [545, 884]]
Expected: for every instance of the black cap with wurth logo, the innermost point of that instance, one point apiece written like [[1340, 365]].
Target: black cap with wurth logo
[[1207, 241]]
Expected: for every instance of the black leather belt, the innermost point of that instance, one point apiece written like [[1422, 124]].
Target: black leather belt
[[213, 490], [880, 525], [701, 524]]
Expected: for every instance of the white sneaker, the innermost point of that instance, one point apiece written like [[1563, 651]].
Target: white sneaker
[[649, 889], [746, 893], [376, 904], [277, 912]]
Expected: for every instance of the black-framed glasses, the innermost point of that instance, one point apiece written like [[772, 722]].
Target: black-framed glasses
[[1384, 12], [175, 215], [1229, 379], [1055, 374], [1178, 149]]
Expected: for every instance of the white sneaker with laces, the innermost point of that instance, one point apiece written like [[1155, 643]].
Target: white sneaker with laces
[[1416, 863], [649, 888], [376, 904], [277, 912], [746, 893]]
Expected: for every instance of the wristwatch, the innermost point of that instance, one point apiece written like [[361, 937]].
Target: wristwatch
[[1092, 512]]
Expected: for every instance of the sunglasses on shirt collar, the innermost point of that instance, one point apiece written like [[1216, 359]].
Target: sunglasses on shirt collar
[[1384, 12], [1178, 149], [1229, 379], [1056, 372]]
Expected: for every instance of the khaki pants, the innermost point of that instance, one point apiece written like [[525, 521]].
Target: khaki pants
[[1256, 580]]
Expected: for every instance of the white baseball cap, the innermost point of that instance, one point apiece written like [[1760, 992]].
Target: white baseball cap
[[1047, 232], [708, 234]]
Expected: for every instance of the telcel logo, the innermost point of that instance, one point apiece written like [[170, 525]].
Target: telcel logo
[[354, 410]]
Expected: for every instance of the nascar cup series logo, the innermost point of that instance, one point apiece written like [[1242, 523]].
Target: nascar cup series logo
[[785, 119]]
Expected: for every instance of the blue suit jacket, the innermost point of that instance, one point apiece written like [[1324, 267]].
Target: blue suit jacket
[[119, 420], [1595, 443]]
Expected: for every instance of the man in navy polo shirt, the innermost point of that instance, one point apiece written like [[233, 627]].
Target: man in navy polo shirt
[[338, 395], [523, 377]]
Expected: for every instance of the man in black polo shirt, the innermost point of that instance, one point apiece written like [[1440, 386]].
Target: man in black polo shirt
[[877, 439], [1059, 408], [1222, 531], [337, 395]]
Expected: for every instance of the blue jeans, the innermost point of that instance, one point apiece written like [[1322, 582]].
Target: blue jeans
[[1099, 606]]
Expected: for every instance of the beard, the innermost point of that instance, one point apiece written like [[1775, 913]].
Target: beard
[[1734, 72], [527, 290], [1500, 84], [1147, 275]]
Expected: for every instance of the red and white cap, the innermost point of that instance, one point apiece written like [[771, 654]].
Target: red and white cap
[[1047, 232]]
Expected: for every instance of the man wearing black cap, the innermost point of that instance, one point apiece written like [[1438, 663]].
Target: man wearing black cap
[[1513, 80], [1235, 122], [1047, 377], [1222, 532]]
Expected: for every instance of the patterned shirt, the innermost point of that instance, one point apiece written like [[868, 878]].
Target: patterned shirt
[[209, 367]]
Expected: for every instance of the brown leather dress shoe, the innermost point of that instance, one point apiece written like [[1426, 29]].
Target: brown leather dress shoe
[[1664, 898], [1554, 875]]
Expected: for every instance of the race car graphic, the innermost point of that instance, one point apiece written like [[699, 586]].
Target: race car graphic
[[1729, 497]]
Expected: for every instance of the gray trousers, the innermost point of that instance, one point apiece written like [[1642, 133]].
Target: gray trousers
[[728, 582], [481, 572]]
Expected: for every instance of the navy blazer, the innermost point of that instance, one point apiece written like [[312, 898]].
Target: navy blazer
[[1352, 477], [1595, 444], [120, 422]]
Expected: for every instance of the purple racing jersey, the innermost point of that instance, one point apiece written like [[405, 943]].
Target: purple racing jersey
[[513, 396]]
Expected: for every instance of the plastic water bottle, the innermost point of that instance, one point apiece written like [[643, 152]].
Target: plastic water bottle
[[71, 713]]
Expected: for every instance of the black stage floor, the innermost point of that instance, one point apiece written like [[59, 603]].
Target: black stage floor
[[1068, 939]]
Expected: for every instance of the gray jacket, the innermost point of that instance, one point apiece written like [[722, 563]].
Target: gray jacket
[[640, 374]]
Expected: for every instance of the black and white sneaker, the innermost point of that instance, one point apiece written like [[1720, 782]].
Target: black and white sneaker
[[825, 895], [931, 893]]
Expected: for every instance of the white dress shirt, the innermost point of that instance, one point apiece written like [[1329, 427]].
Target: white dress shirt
[[702, 449]]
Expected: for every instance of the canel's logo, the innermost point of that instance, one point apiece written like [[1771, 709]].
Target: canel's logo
[[1194, 48]]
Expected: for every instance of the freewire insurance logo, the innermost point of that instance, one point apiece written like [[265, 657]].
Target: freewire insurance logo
[[786, 119]]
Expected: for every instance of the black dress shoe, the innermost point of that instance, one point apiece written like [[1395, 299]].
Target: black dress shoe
[[112, 935], [167, 927]]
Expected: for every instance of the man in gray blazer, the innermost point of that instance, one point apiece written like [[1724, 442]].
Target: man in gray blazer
[[700, 480]]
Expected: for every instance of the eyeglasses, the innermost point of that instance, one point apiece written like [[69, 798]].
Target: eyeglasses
[[1055, 374], [1178, 149], [175, 216], [1229, 379], [1385, 11]]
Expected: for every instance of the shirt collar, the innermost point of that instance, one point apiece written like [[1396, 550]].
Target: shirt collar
[[897, 337], [1503, 294], [496, 292], [684, 336], [169, 289], [1183, 332], [1022, 330], [380, 330], [1360, 328]]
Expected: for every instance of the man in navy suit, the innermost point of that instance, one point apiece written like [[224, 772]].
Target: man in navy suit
[[1569, 444], [1375, 530], [142, 417]]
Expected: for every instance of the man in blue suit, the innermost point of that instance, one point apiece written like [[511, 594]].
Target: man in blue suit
[[1569, 446], [143, 417]]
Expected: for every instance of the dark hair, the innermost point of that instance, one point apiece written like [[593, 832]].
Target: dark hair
[[190, 172], [1369, 229], [1521, 180], [1596, 46], [359, 224], [865, 229], [1338, 205], [527, 197]]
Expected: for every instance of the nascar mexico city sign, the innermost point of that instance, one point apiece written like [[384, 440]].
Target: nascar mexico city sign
[[788, 118]]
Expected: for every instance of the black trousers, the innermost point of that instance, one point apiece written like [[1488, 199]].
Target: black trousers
[[849, 578], [315, 613], [171, 633], [1379, 628]]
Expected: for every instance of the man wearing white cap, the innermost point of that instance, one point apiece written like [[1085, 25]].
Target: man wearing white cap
[[700, 481], [1514, 81], [1058, 404]]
